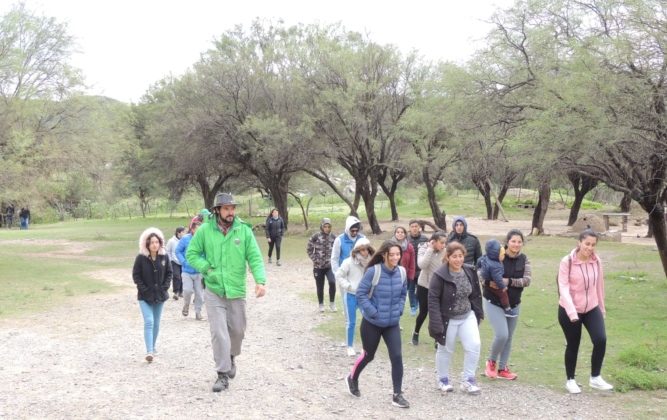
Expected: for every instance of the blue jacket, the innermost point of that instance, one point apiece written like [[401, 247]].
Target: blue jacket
[[385, 308], [181, 248], [490, 268]]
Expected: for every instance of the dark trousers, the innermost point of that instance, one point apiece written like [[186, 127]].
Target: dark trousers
[[177, 280], [320, 274], [370, 339], [422, 296], [275, 242], [594, 323]]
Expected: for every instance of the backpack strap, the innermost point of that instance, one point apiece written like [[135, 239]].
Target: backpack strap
[[378, 272]]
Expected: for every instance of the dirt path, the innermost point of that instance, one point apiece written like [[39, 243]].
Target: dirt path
[[86, 360]]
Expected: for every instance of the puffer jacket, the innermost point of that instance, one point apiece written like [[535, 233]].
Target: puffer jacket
[[385, 308], [223, 259], [274, 228], [517, 269], [152, 278], [319, 249], [441, 292], [181, 249], [489, 266], [468, 240]]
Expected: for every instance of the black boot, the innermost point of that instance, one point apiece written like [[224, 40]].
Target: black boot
[[221, 383], [415, 338], [232, 371]]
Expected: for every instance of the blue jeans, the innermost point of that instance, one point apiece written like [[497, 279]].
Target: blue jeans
[[412, 296], [151, 314], [350, 316]]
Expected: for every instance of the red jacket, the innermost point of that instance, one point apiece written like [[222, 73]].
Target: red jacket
[[408, 261]]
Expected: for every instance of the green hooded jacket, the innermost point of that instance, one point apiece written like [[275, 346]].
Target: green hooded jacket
[[222, 258]]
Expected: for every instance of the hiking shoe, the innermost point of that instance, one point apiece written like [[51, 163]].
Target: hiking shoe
[[269, 260], [149, 357], [469, 386], [180, 294], [399, 401], [511, 313], [232, 372], [507, 374], [321, 308], [598, 383], [332, 307], [175, 296], [278, 263], [444, 385], [198, 316], [490, 369], [415, 339], [186, 309], [572, 387], [351, 352], [352, 386], [221, 383]]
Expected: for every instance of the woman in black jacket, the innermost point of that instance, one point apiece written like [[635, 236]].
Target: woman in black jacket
[[455, 311], [152, 274], [274, 227]]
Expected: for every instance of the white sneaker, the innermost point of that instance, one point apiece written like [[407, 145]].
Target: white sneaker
[[332, 307], [572, 387], [444, 385], [321, 308], [598, 383], [470, 387], [351, 352]]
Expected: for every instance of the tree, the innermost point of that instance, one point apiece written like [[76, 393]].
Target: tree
[[582, 185]]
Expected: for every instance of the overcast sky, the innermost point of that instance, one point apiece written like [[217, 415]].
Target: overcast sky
[[125, 45]]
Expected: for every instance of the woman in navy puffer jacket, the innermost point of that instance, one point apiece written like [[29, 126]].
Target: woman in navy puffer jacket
[[381, 313]]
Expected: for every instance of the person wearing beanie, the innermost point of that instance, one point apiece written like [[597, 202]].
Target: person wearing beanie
[[152, 274], [192, 279], [319, 251], [348, 277], [172, 243]]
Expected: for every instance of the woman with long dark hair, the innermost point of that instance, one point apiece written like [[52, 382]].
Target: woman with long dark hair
[[275, 228], [381, 298]]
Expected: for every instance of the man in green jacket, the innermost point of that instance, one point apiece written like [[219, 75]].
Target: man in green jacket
[[220, 250]]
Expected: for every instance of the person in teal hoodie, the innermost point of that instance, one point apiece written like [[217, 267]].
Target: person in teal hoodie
[[222, 249]]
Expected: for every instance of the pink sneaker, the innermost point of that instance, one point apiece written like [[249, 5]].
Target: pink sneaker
[[506, 374], [490, 370]]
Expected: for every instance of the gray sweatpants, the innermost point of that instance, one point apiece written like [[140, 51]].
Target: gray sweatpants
[[192, 284], [503, 331], [227, 321], [467, 331]]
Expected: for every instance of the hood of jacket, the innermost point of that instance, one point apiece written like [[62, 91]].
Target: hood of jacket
[[143, 250], [325, 221], [492, 249], [349, 222], [465, 225]]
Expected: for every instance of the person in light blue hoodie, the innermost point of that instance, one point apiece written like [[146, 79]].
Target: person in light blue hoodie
[[342, 247], [192, 279]]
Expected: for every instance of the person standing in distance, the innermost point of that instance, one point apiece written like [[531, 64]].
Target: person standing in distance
[[416, 238], [222, 249], [461, 235], [275, 228], [319, 251], [342, 248]]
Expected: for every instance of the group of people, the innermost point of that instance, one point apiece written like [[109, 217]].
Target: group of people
[[445, 278], [24, 217]]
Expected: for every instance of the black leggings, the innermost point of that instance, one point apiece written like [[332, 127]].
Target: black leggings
[[594, 323], [176, 278], [422, 297], [276, 242], [320, 274], [370, 339]]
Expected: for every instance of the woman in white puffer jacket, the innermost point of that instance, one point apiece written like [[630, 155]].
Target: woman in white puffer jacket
[[348, 276]]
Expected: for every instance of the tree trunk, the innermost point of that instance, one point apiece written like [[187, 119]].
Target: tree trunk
[[390, 191], [355, 204], [322, 176], [209, 192], [582, 185], [368, 190], [439, 216], [625, 203], [278, 188], [499, 201], [484, 188], [304, 210], [657, 224], [540, 212]]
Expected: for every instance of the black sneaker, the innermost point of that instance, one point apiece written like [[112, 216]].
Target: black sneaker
[[221, 383], [415, 339], [399, 401], [232, 372], [352, 386]]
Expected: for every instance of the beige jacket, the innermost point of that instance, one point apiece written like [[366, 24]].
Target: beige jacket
[[428, 261]]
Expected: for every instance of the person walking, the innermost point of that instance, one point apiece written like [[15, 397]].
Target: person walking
[[455, 311], [416, 238], [408, 261], [152, 275], [172, 243], [348, 276], [430, 258], [192, 278], [470, 242], [319, 249], [518, 275], [222, 249], [381, 298], [342, 247], [24, 217], [581, 303], [274, 228]]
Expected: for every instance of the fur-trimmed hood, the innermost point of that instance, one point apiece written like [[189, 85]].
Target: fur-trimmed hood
[[143, 250]]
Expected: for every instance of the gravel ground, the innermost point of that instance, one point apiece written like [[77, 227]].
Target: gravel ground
[[85, 360]]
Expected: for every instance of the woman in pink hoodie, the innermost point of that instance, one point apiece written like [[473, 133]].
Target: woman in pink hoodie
[[581, 302]]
